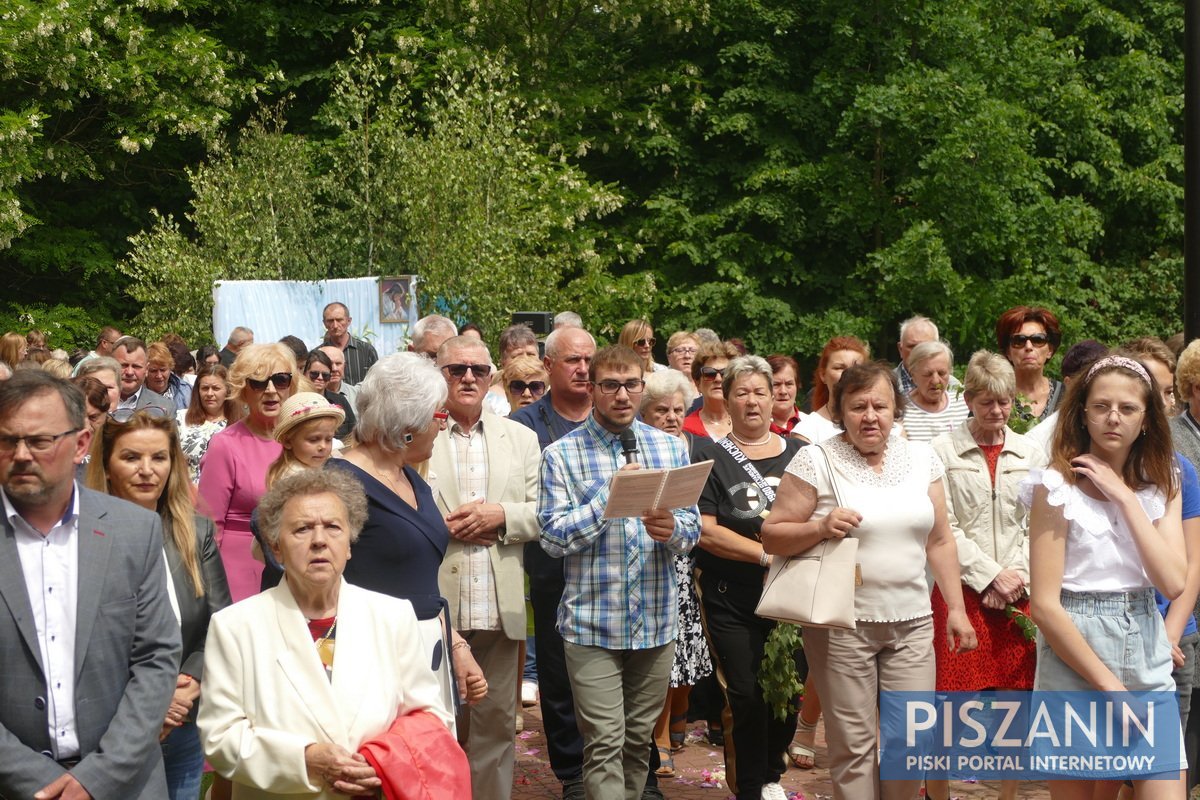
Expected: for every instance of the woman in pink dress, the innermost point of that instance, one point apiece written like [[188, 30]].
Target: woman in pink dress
[[233, 471]]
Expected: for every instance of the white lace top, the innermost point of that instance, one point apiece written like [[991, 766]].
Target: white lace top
[[1101, 554], [897, 518]]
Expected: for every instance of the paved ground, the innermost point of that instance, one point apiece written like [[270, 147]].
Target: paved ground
[[700, 772]]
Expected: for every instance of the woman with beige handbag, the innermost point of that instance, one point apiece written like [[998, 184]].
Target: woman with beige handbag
[[895, 506]]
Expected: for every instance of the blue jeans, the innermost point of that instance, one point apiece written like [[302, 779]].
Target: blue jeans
[[183, 761]]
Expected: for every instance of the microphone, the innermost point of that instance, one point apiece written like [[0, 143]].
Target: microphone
[[629, 444]]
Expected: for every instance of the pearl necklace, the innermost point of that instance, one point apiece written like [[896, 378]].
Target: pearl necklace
[[744, 443]]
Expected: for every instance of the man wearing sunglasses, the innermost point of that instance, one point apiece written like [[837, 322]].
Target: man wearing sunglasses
[[486, 488], [130, 353], [619, 613], [91, 646], [358, 353]]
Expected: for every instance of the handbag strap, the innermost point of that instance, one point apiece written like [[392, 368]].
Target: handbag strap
[[768, 491], [837, 495]]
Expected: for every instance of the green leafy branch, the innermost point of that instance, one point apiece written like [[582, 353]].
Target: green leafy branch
[[777, 672]]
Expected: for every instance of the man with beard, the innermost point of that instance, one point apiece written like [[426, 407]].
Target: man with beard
[[618, 617]]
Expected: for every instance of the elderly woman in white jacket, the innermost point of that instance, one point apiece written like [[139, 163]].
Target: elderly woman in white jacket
[[298, 677], [985, 463]]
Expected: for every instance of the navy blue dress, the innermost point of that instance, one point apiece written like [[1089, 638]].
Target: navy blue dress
[[401, 547]]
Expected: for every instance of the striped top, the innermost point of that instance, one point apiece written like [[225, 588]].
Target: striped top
[[925, 426]]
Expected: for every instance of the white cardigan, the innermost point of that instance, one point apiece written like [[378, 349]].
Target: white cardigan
[[266, 695], [991, 525]]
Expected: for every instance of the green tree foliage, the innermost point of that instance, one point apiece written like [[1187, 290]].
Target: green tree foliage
[[103, 101], [454, 192]]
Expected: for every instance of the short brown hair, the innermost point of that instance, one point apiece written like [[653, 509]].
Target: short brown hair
[[1011, 321], [864, 376], [614, 356]]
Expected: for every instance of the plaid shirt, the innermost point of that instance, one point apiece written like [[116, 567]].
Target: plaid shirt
[[620, 584]]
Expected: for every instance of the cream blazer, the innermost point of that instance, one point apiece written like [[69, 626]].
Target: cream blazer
[[266, 695], [991, 526], [513, 457]]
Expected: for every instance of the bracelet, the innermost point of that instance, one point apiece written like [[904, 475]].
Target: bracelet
[[764, 560], [457, 645]]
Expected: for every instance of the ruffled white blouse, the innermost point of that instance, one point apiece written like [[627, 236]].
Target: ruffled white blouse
[[1101, 554]]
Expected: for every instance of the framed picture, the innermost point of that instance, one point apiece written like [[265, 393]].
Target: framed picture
[[397, 299]]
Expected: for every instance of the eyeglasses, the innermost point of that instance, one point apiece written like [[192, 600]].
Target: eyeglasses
[[123, 415], [1100, 412], [709, 372], [457, 371], [317, 375], [683, 350], [282, 380], [441, 417], [634, 386], [645, 341], [1020, 340], [39, 443], [535, 388]]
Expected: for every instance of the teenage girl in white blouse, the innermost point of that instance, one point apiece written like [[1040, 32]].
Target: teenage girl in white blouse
[[1104, 528]]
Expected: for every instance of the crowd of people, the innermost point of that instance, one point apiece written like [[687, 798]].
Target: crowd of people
[[283, 563]]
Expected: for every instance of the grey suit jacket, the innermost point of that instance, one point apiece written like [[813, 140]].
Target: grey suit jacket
[[148, 397], [513, 458], [126, 659]]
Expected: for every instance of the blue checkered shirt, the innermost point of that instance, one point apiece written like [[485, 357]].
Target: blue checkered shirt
[[620, 584]]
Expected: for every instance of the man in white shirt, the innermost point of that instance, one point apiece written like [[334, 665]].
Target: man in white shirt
[[91, 644], [483, 473]]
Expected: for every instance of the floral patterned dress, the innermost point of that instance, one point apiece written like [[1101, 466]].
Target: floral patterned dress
[[194, 441]]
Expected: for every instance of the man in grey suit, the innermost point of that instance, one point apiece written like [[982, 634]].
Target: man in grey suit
[[91, 646], [130, 353], [486, 471]]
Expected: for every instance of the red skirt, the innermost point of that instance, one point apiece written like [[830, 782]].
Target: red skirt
[[1005, 659]]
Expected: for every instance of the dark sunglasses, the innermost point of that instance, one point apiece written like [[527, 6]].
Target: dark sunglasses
[[1020, 340], [645, 342], [480, 371], [123, 415], [282, 380], [536, 388], [317, 375], [709, 372]]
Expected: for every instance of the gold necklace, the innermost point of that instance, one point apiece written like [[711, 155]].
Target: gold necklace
[[325, 645]]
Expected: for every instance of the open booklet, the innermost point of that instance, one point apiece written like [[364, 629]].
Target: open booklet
[[636, 491]]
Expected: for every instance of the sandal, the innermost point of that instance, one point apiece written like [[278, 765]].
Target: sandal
[[801, 753], [666, 768], [678, 736]]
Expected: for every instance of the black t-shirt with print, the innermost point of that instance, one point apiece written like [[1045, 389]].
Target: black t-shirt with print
[[733, 497]]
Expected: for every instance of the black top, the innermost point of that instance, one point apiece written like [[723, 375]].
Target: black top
[[195, 612], [732, 496], [338, 399]]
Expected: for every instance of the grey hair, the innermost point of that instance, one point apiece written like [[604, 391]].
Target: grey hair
[[239, 335], [27, 385], [916, 321], [434, 323], [400, 395], [927, 350], [989, 373], [706, 336], [306, 483], [744, 366], [567, 319], [552, 346], [98, 364], [666, 383], [460, 343]]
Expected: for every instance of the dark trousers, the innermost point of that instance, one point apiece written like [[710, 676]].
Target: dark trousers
[[755, 741], [564, 742]]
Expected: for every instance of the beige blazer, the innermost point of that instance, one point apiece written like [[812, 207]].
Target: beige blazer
[[513, 459], [266, 695]]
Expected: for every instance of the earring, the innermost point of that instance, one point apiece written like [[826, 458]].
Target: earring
[[408, 437]]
